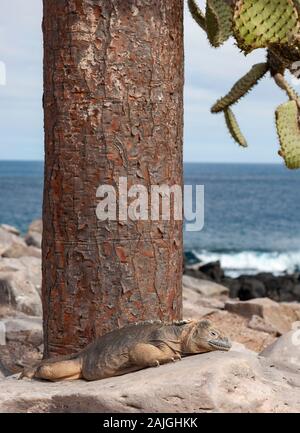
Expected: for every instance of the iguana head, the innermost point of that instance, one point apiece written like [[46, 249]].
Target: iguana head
[[202, 337]]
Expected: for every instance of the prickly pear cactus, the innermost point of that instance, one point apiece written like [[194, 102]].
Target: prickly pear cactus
[[218, 22], [270, 24], [260, 23], [241, 87], [233, 128], [287, 122]]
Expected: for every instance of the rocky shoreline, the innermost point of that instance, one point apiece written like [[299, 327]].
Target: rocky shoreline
[[283, 288], [259, 374]]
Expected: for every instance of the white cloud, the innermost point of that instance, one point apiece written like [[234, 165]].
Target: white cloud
[[21, 122], [209, 74]]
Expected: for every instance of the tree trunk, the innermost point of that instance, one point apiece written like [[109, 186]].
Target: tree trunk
[[113, 77]]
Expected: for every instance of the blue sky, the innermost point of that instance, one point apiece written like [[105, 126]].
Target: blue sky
[[209, 74]]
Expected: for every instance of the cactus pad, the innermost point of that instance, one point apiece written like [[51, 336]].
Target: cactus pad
[[270, 24], [241, 88], [219, 20], [289, 133], [234, 128], [261, 23], [197, 14]]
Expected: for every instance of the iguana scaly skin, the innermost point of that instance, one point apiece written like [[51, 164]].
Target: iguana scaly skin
[[270, 24], [132, 348]]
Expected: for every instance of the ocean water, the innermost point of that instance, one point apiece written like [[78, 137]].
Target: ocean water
[[252, 212], [21, 191], [252, 217]]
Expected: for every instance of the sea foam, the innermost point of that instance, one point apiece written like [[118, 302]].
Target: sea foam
[[253, 262]]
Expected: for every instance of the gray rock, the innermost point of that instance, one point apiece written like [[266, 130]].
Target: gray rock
[[192, 306], [30, 266], [279, 316], [16, 251], [19, 292], [204, 287], [285, 350], [239, 347], [10, 229], [24, 329], [212, 382], [34, 235], [259, 324], [251, 288], [36, 226], [7, 239], [213, 270], [34, 239]]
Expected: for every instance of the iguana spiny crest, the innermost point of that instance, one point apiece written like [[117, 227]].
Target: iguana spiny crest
[[270, 24]]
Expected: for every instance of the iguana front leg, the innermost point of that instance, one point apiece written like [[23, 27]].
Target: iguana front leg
[[148, 355]]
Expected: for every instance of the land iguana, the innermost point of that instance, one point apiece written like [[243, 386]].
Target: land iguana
[[132, 348]]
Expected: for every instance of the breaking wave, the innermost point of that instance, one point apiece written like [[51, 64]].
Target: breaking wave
[[253, 262]]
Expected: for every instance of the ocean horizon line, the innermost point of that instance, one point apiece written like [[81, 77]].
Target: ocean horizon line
[[184, 162]]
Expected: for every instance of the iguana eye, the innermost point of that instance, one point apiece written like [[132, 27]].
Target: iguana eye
[[213, 333]]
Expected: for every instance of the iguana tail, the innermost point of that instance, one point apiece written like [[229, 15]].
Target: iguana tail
[[67, 367]]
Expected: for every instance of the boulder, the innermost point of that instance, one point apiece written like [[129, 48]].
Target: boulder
[[193, 271], [31, 267], [193, 307], [3, 371], [212, 382], [7, 239], [10, 229], [213, 270], [251, 288], [287, 284], [284, 288], [19, 292], [296, 291], [260, 324], [2, 333], [36, 226], [234, 286], [285, 350], [276, 315], [34, 235], [239, 347], [16, 251], [236, 327], [34, 239], [28, 329], [203, 287]]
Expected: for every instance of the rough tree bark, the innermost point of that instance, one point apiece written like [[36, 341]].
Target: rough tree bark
[[113, 85]]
